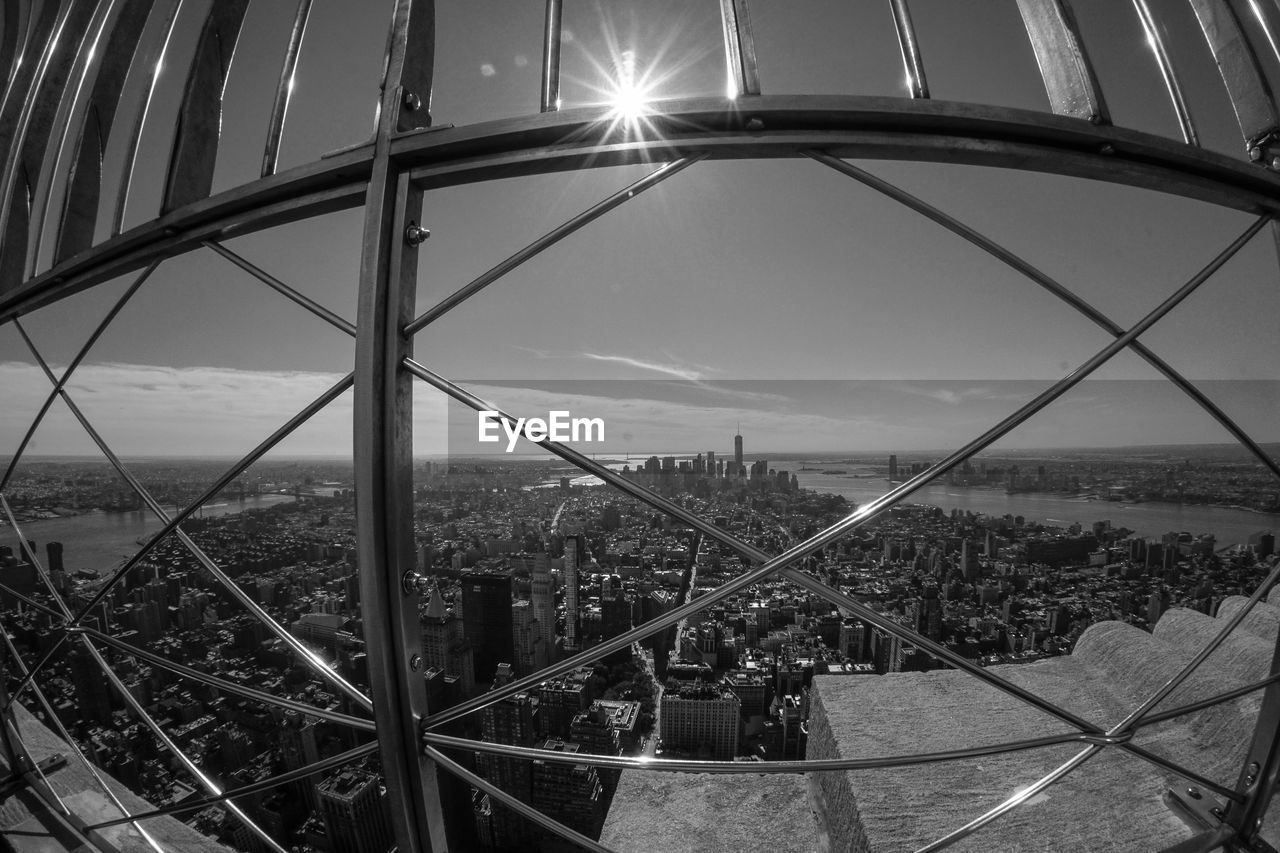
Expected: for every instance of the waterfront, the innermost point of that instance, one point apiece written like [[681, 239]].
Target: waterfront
[[100, 540], [1229, 526]]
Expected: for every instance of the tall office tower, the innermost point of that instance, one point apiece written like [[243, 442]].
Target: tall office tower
[[711, 463], [562, 699], [572, 561], [738, 468], [531, 652], [544, 603], [54, 552], [445, 646], [93, 694], [512, 721], [893, 468], [569, 793], [299, 746], [594, 733], [701, 719], [354, 809], [486, 621]]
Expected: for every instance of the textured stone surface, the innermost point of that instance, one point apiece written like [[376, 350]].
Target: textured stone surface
[[77, 788], [678, 812], [1112, 802], [1262, 621]]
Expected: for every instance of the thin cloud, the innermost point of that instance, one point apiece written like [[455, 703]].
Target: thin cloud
[[669, 369]]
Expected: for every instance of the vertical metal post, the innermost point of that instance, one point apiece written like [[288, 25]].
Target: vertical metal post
[[1261, 766], [551, 57], [739, 48], [384, 447], [912, 64]]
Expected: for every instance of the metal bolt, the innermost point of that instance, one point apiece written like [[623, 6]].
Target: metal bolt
[[1251, 773], [1107, 148], [415, 662], [1193, 793], [1216, 811], [412, 102], [415, 234], [413, 582], [1275, 163], [1256, 153], [755, 123]]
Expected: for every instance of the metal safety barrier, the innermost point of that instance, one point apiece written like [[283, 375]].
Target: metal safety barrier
[[67, 63]]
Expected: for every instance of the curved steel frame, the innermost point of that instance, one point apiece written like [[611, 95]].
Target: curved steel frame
[[406, 157]]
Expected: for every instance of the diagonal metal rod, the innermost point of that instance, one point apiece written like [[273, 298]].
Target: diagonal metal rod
[[210, 565], [548, 240], [736, 767], [205, 782], [1191, 665], [75, 362], [222, 684], [860, 516], [912, 62], [75, 749], [31, 602], [1183, 710], [1041, 278], [28, 676], [1013, 801], [280, 287], [255, 788], [1173, 767], [525, 810]]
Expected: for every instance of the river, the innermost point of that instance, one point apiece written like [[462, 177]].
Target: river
[[1229, 526], [100, 540]]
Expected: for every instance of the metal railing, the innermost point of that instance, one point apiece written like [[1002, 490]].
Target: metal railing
[[67, 63]]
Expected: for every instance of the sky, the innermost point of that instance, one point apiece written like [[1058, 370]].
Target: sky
[[778, 293]]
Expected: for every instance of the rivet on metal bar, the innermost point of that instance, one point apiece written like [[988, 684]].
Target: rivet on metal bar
[[415, 234]]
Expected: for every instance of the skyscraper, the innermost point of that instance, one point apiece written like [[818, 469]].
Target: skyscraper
[[354, 808], [572, 560], [445, 646], [544, 603], [486, 621], [893, 468], [738, 468]]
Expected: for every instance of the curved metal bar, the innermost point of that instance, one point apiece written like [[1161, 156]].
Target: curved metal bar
[[198, 131], [865, 513], [147, 720], [21, 179], [196, 675], [75, 362], [1064, 63], [546, 241], [154, 57], [79, 217], [1183, 710], [1191, 665], [846, 126], [12, 43], [912, 62], [1041, 278], [284, 88], [88, 59], [551, 40], [739, 48], [523, 809], [1013, 801], [748, 551], [252, 789], [75, 749], [1247, 86], [295, 645], [282, 288], [807, 766], [1155, 38]]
